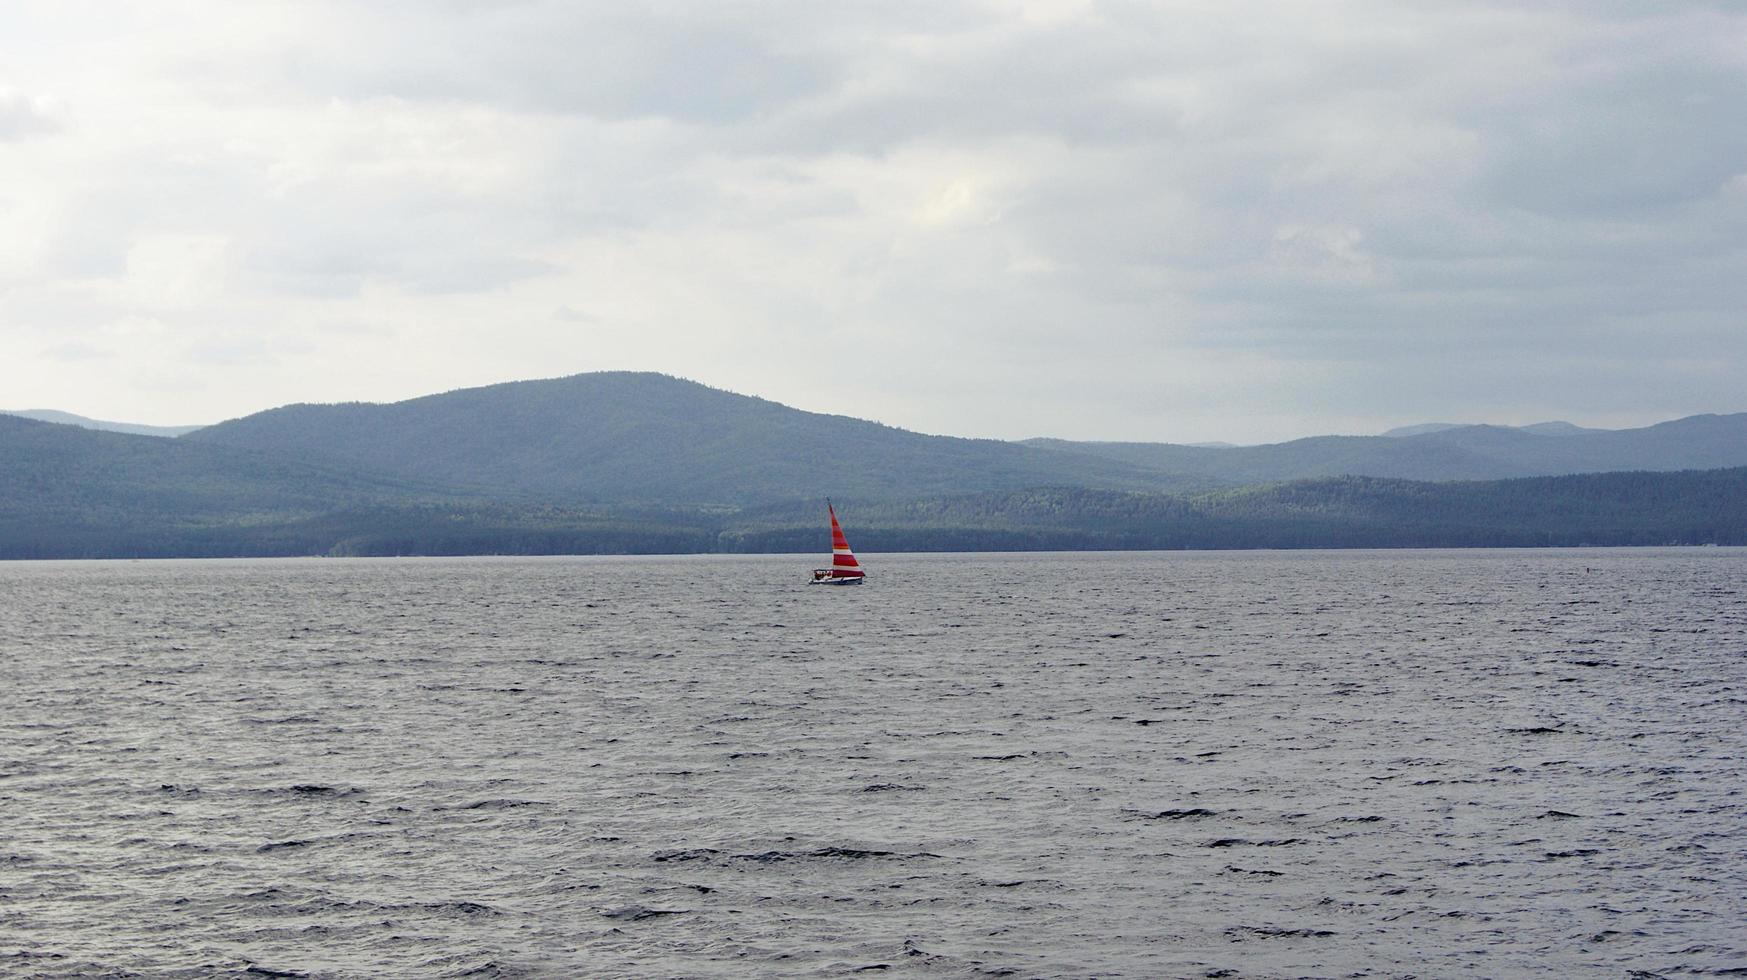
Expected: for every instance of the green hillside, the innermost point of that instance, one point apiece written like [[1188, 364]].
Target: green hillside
[[132, 428], [625, 463], [628, 437], [67, 491], [1639, 508], [618, 437]]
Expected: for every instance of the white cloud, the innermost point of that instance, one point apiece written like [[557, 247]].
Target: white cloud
[[23, 116], [1120, 220], [175, 271]]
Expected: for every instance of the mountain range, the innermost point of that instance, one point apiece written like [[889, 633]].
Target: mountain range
[[625, 437], [1469, 452], [619, 436], [1537, 429], [133, 428], [643, 462]]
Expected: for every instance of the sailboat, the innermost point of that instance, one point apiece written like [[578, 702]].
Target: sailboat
[[844, 570]]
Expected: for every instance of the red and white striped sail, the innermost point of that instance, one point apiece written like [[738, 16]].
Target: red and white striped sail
[[843, 563]]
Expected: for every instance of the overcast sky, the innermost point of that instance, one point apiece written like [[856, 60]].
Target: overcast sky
[[1166, 221]]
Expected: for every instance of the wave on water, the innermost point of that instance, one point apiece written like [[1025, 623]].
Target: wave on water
[[1198, 765]]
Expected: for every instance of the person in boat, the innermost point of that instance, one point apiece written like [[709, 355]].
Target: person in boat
[[820, 574]]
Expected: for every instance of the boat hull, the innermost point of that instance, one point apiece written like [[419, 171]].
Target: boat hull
[[846, 580]]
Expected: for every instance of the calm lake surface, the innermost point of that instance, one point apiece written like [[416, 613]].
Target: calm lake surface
[[1320, 764]]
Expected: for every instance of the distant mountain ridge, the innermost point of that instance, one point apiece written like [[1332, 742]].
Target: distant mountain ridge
[[73, 493], [132, 428], [638, 463], [69, 491], [1470, 452], [623, 436], [1538, 428]]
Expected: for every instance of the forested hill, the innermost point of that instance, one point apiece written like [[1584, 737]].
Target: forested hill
[[1604, 509], [626, 463], [1468, 452], [1688, 507], [132, 428], [67, 491], [73, 493], [624, 437]]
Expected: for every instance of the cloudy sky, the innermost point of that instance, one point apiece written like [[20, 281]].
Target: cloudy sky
[[1170, 221]]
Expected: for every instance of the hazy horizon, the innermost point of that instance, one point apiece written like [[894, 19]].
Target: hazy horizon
[[1041, 435]]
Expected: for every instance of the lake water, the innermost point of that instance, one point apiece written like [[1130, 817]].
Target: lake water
[[1146, 765]]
